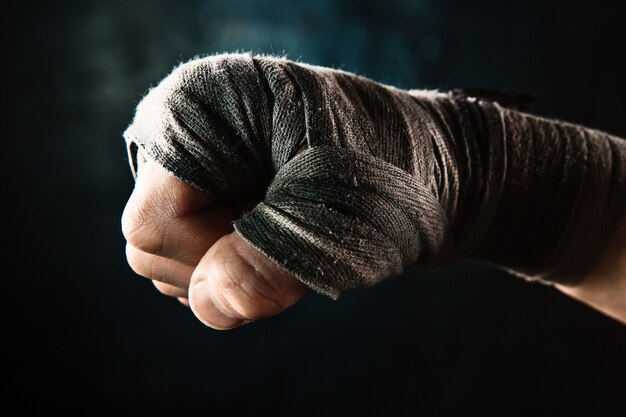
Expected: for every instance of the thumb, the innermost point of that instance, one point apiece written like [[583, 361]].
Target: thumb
[[235, 283]]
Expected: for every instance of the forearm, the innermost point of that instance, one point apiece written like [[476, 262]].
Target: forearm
[[560, 195], [539, 197], [604, 288]]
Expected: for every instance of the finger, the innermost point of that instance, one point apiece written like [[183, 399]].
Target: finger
[[185, 240], [158, 268], [235, 283], [172, 195], [184, 301], [167, 217], [170, 290]]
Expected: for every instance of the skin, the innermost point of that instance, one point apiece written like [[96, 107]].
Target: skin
[[185, 243], [605, 287]]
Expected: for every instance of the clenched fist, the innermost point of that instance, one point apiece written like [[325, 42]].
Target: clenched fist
[[358, 180], [184, 242]]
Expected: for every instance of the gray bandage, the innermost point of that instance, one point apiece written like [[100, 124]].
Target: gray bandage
[[389, 177]]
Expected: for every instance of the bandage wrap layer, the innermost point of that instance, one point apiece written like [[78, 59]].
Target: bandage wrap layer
[[387, 177]]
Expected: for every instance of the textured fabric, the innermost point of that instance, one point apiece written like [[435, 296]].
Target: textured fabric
[[389, 177]]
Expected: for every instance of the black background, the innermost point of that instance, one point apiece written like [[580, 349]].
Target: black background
[[87, 335]]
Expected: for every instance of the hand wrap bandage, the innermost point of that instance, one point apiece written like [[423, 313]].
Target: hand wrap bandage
[[389, 177]]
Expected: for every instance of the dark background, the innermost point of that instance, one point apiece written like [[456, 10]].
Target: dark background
[[87, 335]]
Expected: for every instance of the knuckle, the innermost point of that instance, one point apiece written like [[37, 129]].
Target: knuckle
[[134, 218], [142, 229]]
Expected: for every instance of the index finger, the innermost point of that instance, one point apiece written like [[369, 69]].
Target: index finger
[[167, 217]]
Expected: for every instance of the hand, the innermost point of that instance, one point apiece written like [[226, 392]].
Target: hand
[[185, 244]]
